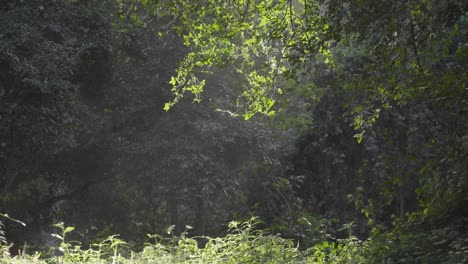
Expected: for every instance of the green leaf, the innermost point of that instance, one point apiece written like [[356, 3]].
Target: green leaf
[[68, 229], [173, 81], [57, 236]]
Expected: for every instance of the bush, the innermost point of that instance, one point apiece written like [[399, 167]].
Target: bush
[[243, 244]]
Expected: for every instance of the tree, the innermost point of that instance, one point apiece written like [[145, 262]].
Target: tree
[[90, 143], [43, 114], [398, 63], [375, 92]]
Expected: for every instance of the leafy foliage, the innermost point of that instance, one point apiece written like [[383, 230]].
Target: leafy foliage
[[100, 145], [255, 38], [362, 159], [243, 244]]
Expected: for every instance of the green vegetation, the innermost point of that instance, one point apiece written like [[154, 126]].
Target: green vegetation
[[341, 124], [242, 245], [246, 244]]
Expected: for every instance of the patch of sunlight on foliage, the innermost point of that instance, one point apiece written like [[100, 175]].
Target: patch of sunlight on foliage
[[243, 244]]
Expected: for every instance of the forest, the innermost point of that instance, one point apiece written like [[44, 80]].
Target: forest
[[233, 131]]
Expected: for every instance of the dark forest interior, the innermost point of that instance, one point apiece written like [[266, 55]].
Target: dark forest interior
[[277, 131]]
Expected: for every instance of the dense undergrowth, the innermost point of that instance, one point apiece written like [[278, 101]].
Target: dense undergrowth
[[244, 243]]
